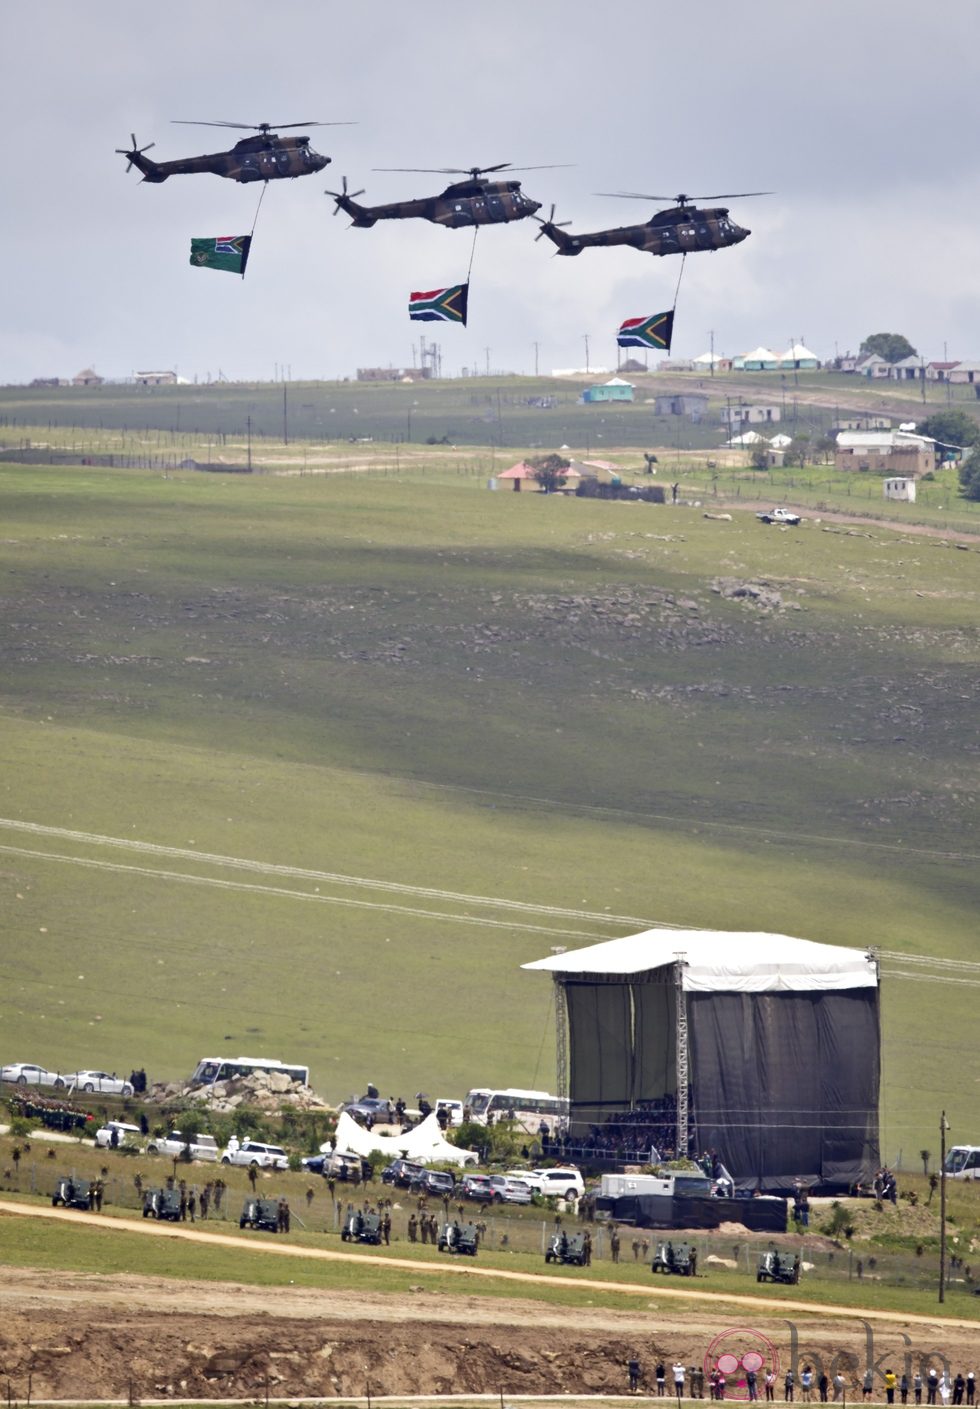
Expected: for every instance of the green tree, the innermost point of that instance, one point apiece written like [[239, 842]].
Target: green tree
[[549, 471], [891, 346], [955, 430], [925, 1156], [798, 451]]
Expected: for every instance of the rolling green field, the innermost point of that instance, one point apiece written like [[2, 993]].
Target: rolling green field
[[309, 766]]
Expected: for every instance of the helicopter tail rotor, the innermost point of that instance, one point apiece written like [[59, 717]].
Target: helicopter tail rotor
[[553, 229], [135, 157], [346, 201]]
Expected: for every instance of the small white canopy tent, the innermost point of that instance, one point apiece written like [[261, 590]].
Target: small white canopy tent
[[424, 1143]]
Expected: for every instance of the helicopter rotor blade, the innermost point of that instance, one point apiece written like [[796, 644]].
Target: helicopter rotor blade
[[256, 126], [550, 222], [343, 194], [473, 171], [682, 198], [133, 151]]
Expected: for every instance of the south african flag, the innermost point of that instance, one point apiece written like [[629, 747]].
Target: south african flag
[[654, 331], [439, 305], [222, 252]]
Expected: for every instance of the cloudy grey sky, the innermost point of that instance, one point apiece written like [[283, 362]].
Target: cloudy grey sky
[[861, 117]]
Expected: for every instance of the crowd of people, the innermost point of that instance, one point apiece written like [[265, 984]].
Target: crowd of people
[[647, 1132], [689, 1383]]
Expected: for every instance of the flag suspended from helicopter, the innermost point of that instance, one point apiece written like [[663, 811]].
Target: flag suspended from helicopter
[[440, 305], [654, 331], [222, 252]]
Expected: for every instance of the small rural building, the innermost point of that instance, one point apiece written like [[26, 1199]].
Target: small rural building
[[861, 423], [760, 359], [847, 363], [688, 403], [965, 373], [939, 371], [799, 358], [896, 453], [710, 360], [156, 378], [873, 366], [616, 389], [87, 377], [907, 369], [900, 488], [744, 415], [523, 474], [393, 374]]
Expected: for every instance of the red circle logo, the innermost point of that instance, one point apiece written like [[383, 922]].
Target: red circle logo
[[733, 1354]]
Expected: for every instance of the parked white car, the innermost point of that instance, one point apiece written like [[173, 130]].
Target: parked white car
[[129, 1135], [106, 1083], [565, 1182], [174, 1145], [454, 1109], [28, 1074], [254, 1152]]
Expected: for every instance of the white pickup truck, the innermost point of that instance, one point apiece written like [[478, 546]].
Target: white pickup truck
[[778, 516], [175, 1145]]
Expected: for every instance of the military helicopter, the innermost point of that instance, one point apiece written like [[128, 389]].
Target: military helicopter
[[682, 229], [262, 158], [473, 201]]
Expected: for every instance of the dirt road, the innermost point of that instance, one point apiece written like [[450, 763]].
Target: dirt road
[[89, 1335]]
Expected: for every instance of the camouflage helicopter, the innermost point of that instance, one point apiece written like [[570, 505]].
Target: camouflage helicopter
[[262, 158], [470, 202], [682, 229]]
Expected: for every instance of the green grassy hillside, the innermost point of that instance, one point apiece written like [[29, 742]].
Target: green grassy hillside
[[439, 699]]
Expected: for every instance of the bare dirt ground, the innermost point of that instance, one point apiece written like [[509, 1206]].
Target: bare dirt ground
[[92, 1336]]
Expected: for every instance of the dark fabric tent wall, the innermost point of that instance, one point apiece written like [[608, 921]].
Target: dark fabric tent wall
[[621, 1044], [783, 1084]]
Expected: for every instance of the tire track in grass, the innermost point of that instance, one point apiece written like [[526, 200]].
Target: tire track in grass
[[272, 868]]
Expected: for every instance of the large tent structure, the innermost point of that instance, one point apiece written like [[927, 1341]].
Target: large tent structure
[[770, 1046]]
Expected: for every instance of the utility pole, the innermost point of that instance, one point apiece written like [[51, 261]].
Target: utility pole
[[711, 334], [943, 1127], [535, 359], [586, 337], [248, 422], [487, 351], [285, 417]]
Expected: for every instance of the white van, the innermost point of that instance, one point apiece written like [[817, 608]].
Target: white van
[[454, 1109], [174, 1144]]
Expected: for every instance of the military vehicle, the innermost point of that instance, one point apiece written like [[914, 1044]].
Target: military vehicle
[[682, 229], [675, 1260], [568, 1251], [260, 1213], [266, 157], [72, 1193], [473, 201], [361, 1228], [778, 1267], [162, 1203], [459, 1238]]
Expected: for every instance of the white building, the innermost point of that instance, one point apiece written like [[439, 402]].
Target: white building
[[900, 488]]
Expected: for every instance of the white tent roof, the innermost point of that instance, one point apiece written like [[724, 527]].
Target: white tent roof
[[723, 961], [707, 358], [424, 1142], [759, 354], [617, 381], [747, 438], [780, 441], [799, 353]]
